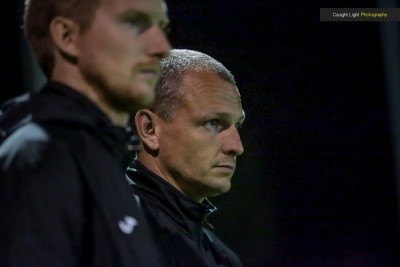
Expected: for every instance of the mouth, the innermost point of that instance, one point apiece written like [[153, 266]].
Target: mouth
[[150, 73], [227, 166], [155, 73]]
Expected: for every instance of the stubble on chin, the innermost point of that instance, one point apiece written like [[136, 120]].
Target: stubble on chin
[[130, 103]]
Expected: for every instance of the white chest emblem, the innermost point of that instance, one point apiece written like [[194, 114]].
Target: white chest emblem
[[127, 225]]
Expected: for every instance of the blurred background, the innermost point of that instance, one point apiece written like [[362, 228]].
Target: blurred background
[[318, 184]]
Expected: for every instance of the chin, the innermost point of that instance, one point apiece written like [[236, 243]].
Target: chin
[[148, 101], [144, 97], [138, 101], [221, 189]]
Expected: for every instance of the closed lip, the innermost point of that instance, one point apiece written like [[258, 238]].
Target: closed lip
[[151, 68], [226, 165], [150, 71]]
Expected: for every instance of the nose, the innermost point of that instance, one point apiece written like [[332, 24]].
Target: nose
[[232, 144], [158, 43]]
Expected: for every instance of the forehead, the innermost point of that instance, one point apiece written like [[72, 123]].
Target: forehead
[[206, 92], [154, 8]]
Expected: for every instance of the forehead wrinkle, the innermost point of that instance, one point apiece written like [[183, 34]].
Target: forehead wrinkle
[[229, 95], [205, 88], [225, 109], [213, 91]]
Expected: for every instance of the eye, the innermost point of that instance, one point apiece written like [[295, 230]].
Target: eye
[[139, 24], [213, 125]]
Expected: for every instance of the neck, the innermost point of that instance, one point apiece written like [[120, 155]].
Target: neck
[[74, 80]]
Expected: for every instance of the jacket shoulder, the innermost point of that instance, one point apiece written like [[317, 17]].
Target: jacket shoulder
[[25, 145], [14, 113]]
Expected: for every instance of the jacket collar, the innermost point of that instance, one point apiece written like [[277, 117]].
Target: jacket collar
[[188, 214], [59, 104], [68, 105]]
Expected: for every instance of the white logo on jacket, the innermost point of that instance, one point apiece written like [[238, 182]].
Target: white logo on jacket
[[127, 225]]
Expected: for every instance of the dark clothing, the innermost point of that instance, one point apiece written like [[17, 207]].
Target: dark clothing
[[64, 200], [13, 114], [178, 222]]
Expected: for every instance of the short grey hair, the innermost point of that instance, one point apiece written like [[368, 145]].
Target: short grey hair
[[169, 95]]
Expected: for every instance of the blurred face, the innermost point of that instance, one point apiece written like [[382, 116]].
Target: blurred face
[[120, 53], [198, 149]]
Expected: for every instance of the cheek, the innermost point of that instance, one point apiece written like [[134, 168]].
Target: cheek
[[188, 147], [112, 47], [199, 156], [175, 146]]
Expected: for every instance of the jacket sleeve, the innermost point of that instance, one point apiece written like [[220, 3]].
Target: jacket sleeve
[[41, 201]]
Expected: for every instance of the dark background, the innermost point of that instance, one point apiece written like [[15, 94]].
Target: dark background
[[316, 185]]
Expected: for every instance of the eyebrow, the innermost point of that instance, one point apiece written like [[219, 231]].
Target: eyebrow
[[228, 115], [132, 13]]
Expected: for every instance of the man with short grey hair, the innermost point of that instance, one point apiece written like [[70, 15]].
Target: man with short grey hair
[[189, 144]]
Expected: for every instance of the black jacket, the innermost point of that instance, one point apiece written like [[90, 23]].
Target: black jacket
[[178, 223], [64, 199]]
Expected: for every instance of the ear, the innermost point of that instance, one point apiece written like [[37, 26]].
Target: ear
[[146, 128], [65, 33]]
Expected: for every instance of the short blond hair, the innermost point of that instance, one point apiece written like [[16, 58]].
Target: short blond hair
[[38, 16]]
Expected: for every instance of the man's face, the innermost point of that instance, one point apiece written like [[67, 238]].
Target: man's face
[[198, 149], [120, 53]]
